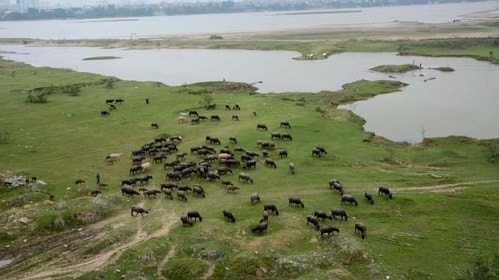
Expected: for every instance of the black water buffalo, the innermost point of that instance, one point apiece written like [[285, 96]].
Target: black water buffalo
[[286, 136], [129, 181], [252, 154], [275, 135], [119, 100], [270, 162], [104, 113], [282, 153], [385, 191], [261, 126], [181, 196], [214, 118], [130, 191], [369, 197], [313, 220], [168, 193], [185, 220], [168, 185], [292, 168], [361, 228], [229, 216], [184, 188], [339, 212], [194, 215], [148, 193], [245, 177], [236, 107], [295, 201], [348, 198], [249, 164], [235, 118], [233, 140], [323, 215], [154, 125], [334, 184], [212, 176], [138, 210], [135, 169], [145, 179], [173, 176], [328, 230], [285, 124], [316, 153], [254, 198], [109, 101], [271, 207], [260, 227], [232, 188], [214, 141], [193, 113]]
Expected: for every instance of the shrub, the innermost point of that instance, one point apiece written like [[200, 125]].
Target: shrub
[[38, 98]]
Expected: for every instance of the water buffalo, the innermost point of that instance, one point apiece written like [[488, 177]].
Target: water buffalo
[[385, 191], [334, 184], [229, 216], [285, 124], [260, 227], [369, 197], [270, 162], [233, 140], [328, 230], [339, 212], [174, 176], [286, 136], [214, 118], [271, 207], [193, 113], [313, 220], [275, 135], [232, 188], [249, 164], [245, 177], [194, 215], [129, 181], [252, 154], [138, 210], [295, 201], [185, 220], [134, 169], [145, 179], [292, 168], [361, 228], [168, 193], [348, 198], [282, 153], [130, 191], [261, 126], [79, 182], [181, 196], [235, 118], [148, 193], [104, 113], [236, 107], [321, 214], [254, 198], [154, 125], [198, 190], [213, 175], [184, 188]]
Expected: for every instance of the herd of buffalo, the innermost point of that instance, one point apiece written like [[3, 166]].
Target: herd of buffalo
[[213, 163]]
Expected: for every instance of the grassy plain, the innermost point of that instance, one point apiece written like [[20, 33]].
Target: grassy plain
[[444, 215], [443, 219]]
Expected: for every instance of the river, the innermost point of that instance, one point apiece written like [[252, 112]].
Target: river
[[463, 102]]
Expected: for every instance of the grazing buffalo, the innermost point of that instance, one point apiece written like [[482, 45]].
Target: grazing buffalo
[[134, 169], [198, 190], [194, 215], [235, 118], [184, 188], [275, 135], [104, 113], [313, 220], [168, 193], [232, 188], [214, 118], [120, 100], [214, 141], [369, 197], [148, 193], [361, 228], [129, 181], [236, 107], [169, 185], [138, 210], [181, 196], [193, 113], [295, 201], [334, 184], [316, 153], [95, 192], [79, 182], [130, 191], [328, 230], [145, 179], [385, 191], [174, 176], [270, 162], [271, 207], [282, 153], [348, 198], [323, 215], [254, 198], [245, 177], [109, 101], [261, 126], [229, 216], [260, 227], [285, 124], [292, 168], [154, 125], [249, 164], [195, 121], [252, 154], [286, 136], [233, 140], [185, 220], [212, 176], [339, 212], [321, 149]]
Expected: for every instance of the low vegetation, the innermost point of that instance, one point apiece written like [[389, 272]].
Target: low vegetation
[[395, 68], [445, 189], [101, 57]]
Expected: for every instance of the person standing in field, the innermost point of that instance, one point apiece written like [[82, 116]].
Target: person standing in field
[[97, 177]]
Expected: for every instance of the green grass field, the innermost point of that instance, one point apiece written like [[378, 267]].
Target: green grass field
[[443, 218]]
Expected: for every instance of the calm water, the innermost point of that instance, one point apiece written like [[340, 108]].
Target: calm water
[[162, 26], [463, 102]]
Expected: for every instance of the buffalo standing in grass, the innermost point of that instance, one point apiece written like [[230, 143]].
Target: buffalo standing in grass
[[229, 216], [271, 207], [385, 191], [260, 227], [313, 220], [194, 215], [254, 198], [130, 191], [323, 215], [328, 230], [369, 197], [295, 201], [339, 212], [138, 210], [185, 220], [361, 228], [348, 198]]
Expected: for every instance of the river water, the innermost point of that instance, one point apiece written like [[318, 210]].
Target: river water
[[164, 26], [463, 102]]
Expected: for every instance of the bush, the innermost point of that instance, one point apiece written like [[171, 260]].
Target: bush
[[38, 98], [4, 137]]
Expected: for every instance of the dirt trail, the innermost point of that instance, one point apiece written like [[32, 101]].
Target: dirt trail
[[99, 260], [443, 187], [163, 262], [209, 272]]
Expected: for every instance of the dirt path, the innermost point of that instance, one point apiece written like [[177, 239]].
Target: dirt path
[[102, 259], [443, 187], [163, 262], [209, 272]]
